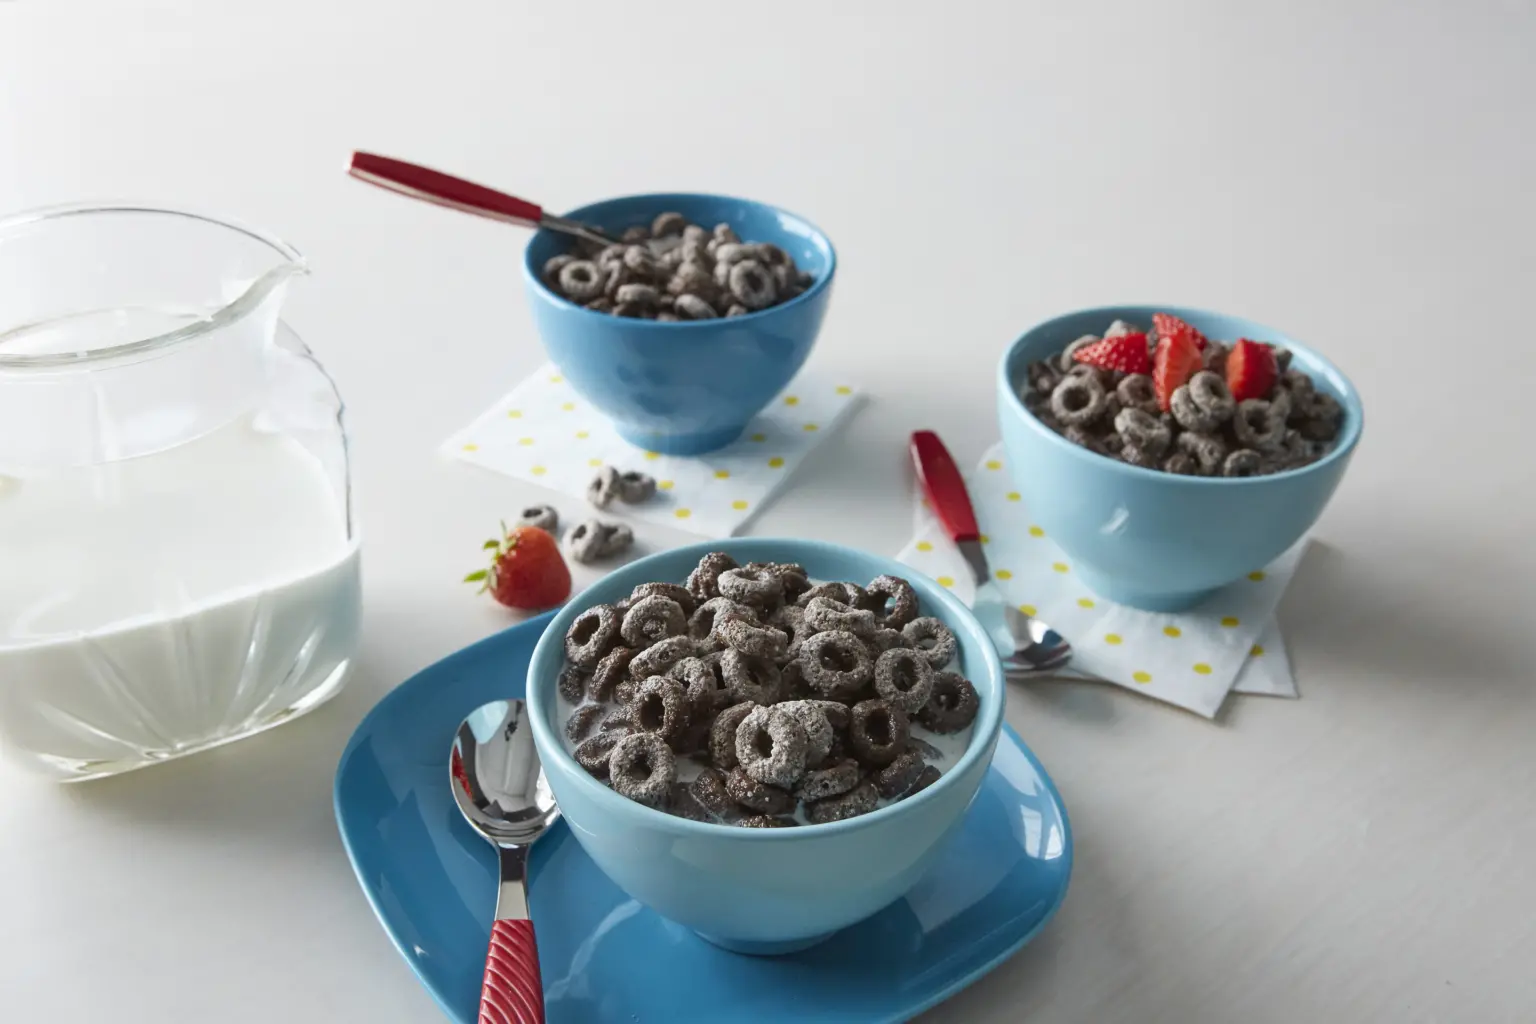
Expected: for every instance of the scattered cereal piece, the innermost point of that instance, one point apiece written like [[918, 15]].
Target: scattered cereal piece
[[953, 704], [543, 516], [643, 768]]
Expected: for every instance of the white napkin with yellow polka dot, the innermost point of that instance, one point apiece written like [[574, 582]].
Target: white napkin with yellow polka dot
[[544, 433], [1192, 658]]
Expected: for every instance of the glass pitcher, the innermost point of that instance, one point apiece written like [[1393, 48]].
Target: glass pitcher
[[178, 558]]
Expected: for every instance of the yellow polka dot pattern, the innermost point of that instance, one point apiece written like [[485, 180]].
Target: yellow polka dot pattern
[[758, 438], [525, 441], [514, 414], [538, 471], [582, 435], [993, 464], [791, 400], [984, 538], [1173, 631], [664, 485], [775, 462], [844, 389], [810, 428], [1113, 639], [1004, 574], [568, 407], [1142, 677], [594, 463], [1035, 531], [1202, 668], [1029, 609], [1013, 496], [1085, 602], [946, 581], [739, 505], [1231, 621], [682, 513], [471, 447], [652, 456], [1257, 575], [722, 474], [1060, 566], [924, 545], [1257, 651]]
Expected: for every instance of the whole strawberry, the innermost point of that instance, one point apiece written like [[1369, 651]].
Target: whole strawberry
[[527, 570]]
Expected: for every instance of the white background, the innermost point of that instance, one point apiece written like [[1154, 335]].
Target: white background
[[1359, 174]]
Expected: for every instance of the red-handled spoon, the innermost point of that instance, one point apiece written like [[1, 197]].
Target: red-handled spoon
[[1029, 647], [497, 783], [423, 183]]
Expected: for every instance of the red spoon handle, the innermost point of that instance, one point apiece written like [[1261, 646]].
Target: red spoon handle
[[945, 488], [443, 189], [512, 992]]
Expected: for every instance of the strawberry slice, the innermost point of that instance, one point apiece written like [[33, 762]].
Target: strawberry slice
[[1166, 325], [1175, 361], [1127, 353], [1251, 370]]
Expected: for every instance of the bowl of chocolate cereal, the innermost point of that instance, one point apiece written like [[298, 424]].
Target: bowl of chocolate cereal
[[765, 740], [691, 322], [1172, 451]]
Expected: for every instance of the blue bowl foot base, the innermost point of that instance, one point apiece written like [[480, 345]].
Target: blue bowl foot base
[[750, 948], [683, 444], [1147, 600]]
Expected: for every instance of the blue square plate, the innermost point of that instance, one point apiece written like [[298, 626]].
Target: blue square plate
[[605, 958]]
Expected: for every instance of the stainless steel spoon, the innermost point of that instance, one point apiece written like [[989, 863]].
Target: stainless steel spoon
[[1029, 646], [501, 790]]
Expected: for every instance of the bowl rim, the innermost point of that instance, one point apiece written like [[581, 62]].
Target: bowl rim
[[1354, 419], [984, 730], [534, 278]]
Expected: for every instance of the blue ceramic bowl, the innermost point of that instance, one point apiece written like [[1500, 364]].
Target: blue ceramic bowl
[[765, 890], [1146, 538], [688, 387]]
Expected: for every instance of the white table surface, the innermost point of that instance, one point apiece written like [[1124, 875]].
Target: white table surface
[[1359, 174]]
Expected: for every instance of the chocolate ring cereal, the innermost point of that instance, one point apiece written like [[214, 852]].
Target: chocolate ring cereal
[[651, 619], [640, 261], [660, 705], [571, 683], [583, 720], [837, 712], [793, 579], [659, 658], [1211, 394], [724, 233], [616, 539], [877, 732], [823, 614], [753, 285], [704, 580], [1088, 439], [635, 488], [706, 619], [751, 586], [1135, 391], [637, 233], [601, 304], [860, 800], [692, 277], [1243, 462], [1181, 464], [792, 684], [671, 591], [704, 686], [618, 721], [835, 664], [850, 594], [1043, 378], [768, 821], [732, 252], [885, 640], [749, 678], [592, 635], [895, 602], [953, 704], [636, 294], [542, 516], [771, 747], [681, 802], [581, 280], [552, 267], [1144, 431], [898, 776], [924, 749], [1134, 455], [1078, 400], [708, 788], [604, 487], [722, 735], [592, 753], [904, 677], [610, 672], [757, 796], [933, 638], [1066, 361], [643, 768], [925, 778], [813, 719], [742, 634], [1209, 450], [833, 780], [1257, 427], [694, 307], [669, 223]]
